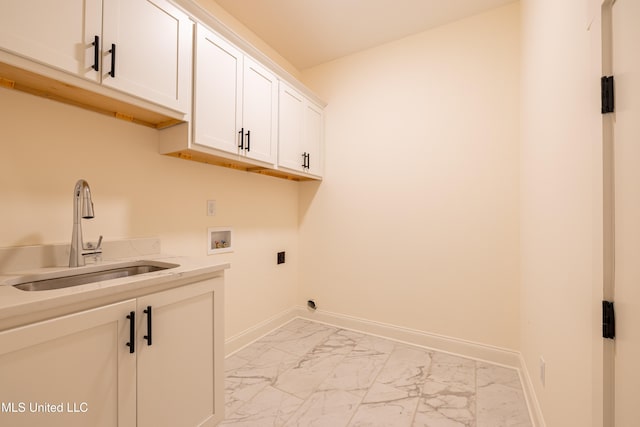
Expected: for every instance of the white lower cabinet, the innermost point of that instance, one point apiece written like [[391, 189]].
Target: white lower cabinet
[[181, 374], [78, 361], [81, 370]]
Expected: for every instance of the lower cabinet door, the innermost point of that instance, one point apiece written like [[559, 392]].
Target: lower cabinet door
[[75, 370], [178, 359]]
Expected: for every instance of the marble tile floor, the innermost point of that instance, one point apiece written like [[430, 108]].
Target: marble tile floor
[[311, 374]]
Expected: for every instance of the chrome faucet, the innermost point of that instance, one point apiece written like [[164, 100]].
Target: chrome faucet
[[82, 208]]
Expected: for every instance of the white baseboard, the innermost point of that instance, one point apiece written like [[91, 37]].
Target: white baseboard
[[246, 337], [529, 392], [468, 349], [459, 347]]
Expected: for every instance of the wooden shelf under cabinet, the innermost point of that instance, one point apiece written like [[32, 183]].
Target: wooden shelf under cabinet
[[12, 77], [197, 156]]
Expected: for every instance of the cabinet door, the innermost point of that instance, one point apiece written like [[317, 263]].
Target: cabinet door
[[313, 137], [57, 33], [177, 372], [78, 364], [153, 41], [217, 92], [290, 130], [259, 112]]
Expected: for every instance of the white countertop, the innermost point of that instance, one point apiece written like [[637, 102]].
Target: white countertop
[[20, 307]]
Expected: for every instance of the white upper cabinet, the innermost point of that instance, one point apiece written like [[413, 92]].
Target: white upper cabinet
[[301, 124], [314, 138], [259, 112], [139, 60], [235, 101], [152, 39], [56, 33], [217, 89], [291, 124], [152, 59]]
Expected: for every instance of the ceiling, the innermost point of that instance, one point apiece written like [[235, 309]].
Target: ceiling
[[311, 32]]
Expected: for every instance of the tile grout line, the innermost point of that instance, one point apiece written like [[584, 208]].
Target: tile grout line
[[304, 401], [372, 383]]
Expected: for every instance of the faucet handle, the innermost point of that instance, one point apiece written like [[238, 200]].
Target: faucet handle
[[94, 251], [97, 247]]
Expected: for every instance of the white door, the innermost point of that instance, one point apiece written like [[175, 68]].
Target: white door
[[152, 58], [57, 33], [626, 69], [217, 117], [291, 128], [259, 112], [80, 361], [176, 371], [313, 137]]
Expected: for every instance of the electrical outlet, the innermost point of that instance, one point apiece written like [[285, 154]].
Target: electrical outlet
[[211, 207], [280, 257], [543, 371]]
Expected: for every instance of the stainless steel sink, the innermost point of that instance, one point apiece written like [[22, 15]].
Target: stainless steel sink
[[82, 276]]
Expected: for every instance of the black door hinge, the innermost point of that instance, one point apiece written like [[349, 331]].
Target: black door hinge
[[608, 320], [606, 89]]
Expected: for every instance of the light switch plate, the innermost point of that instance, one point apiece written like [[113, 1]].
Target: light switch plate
[[211, 207]]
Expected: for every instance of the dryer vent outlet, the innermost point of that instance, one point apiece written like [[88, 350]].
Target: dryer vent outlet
[[311, 304]]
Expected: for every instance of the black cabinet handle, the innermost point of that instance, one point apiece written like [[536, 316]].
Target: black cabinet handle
[[132, 332], [148, 336], [112, 73], [248, 140], [308, 160], [241, 139], [96, 52], [304, 160]]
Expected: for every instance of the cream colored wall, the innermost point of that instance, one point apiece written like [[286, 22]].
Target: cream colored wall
[[561, 210], [47, 146], [416, 221]]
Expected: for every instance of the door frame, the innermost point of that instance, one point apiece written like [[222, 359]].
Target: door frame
[[607, 346]]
